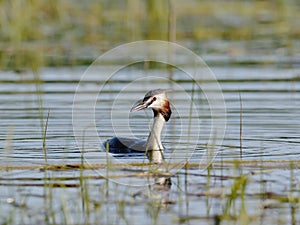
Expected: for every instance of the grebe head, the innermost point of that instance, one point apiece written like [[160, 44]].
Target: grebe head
[[156, 100]]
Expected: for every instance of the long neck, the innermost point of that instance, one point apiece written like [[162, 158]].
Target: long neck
[[154, 146]]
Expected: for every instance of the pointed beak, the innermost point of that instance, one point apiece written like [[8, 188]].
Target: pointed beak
[[139, 105]]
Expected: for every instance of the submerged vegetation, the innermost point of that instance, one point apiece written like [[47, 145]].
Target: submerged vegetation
[[213, 197], [38, 32]]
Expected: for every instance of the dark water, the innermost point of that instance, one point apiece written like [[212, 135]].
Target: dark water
[[270, 98]]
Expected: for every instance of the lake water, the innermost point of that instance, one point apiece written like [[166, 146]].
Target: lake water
[[270, 100]]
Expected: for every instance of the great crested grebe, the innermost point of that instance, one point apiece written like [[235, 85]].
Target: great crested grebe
[[156, 100]]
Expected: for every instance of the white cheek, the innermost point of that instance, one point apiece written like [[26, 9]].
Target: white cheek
[[156, 104]]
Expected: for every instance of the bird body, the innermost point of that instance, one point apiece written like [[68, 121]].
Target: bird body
[[156, 100]]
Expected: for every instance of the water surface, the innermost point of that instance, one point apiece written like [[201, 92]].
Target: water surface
[[270, 99]]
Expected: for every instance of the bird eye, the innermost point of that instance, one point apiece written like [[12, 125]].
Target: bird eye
[[150, 101]]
